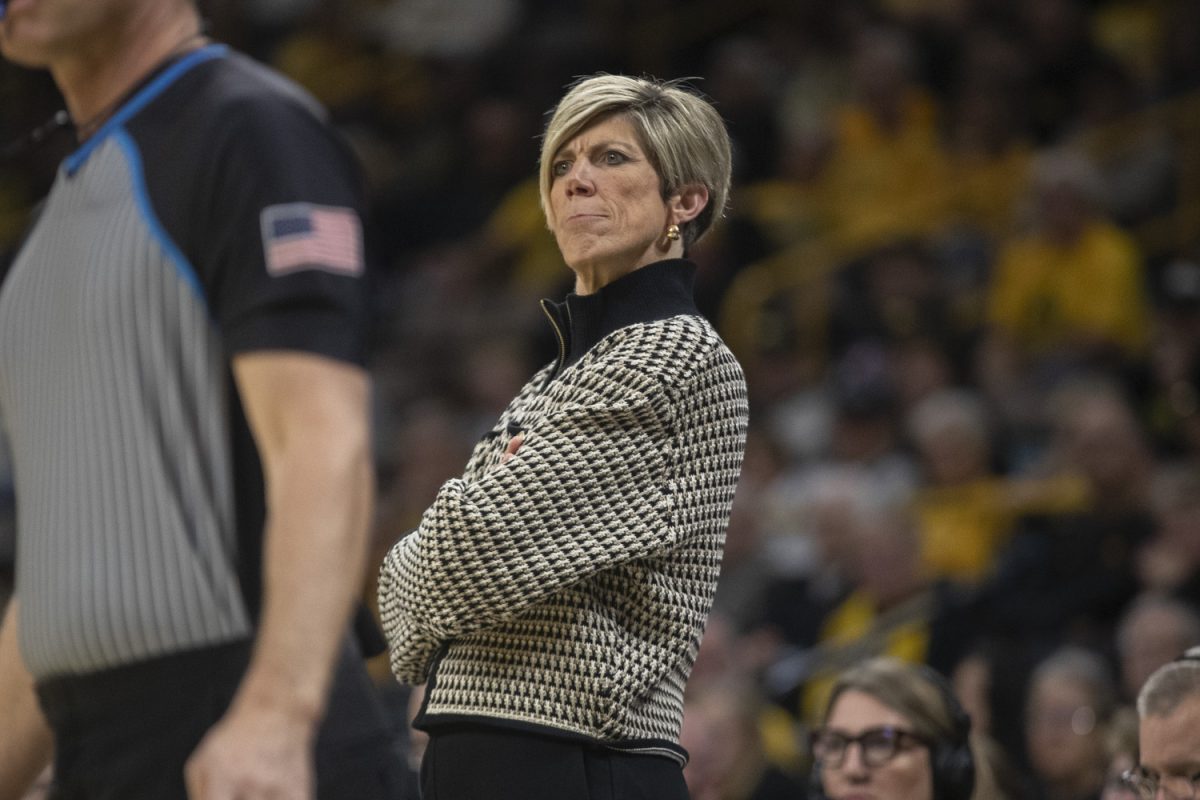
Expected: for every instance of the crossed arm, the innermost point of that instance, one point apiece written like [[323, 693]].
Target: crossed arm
[[584, 492]]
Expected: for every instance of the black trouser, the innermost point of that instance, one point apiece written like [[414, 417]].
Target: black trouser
[[127, 732], [471, 763]]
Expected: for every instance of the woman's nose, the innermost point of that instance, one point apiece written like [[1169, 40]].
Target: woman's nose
[[853, 763], [579, 179]]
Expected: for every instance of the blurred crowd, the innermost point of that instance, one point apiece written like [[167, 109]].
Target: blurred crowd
[[961, 268]]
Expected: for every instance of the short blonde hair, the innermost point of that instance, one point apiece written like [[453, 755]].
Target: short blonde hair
[[683, 135]]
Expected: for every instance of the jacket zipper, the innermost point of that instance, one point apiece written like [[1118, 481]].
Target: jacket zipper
[[562, 341]]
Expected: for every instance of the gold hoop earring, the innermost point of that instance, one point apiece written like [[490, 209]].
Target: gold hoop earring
[[672, 233]]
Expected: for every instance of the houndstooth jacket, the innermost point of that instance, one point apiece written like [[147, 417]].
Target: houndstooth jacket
[[566, 590]]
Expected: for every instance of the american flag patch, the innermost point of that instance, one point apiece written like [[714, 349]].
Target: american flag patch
[[300, 236]]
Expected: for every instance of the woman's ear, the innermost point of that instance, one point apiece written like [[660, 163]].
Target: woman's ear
[[687, 203]]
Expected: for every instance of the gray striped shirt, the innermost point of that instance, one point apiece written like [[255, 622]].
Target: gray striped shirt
[[124, 500], [139, 496]]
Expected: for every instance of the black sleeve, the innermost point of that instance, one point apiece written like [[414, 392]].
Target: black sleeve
[[270, 213]]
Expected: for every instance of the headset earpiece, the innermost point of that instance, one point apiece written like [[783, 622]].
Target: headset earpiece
[[952, 761]]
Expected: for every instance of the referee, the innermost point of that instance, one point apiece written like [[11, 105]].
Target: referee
[[181, 380]]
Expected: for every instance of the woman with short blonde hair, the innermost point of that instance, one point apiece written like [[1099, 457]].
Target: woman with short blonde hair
[[554, 596], [682, 134]]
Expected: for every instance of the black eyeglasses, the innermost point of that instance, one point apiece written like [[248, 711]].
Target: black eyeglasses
[[1146, 784], [877, 745]]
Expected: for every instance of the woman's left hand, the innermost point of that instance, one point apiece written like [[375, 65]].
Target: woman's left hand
[[514, 444]]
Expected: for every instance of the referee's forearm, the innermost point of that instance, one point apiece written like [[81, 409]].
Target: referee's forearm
[[315, 558], [26, 742], [310, 419]]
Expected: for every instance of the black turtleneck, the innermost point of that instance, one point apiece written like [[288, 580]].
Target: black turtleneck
[[654, 292]]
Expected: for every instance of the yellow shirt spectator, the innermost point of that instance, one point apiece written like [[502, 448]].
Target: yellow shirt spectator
[[886, 183], [1048, 295], [963, 527]]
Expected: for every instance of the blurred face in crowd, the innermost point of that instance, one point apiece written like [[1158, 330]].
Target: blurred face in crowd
[[953, 456], [1157, 637], [1066, 745], [887, 558], [865, 772], [722, 740], [1103, 441], [607, 211], [1065, 212]]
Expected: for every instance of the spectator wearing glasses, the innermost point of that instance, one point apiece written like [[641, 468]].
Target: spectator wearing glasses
[[1169, 732], [895, 731]]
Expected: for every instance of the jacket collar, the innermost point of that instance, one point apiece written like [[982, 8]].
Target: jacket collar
[[654, 292]]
